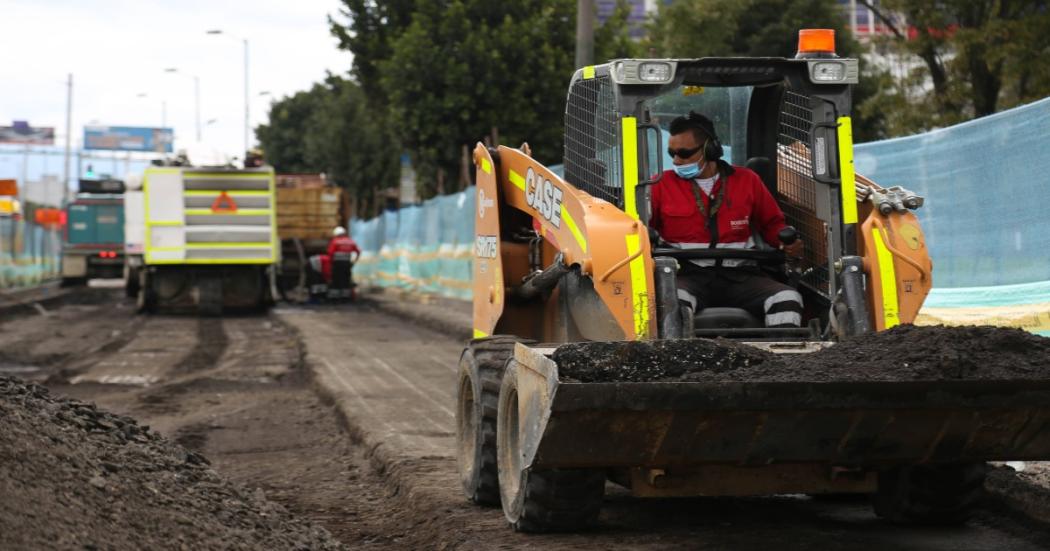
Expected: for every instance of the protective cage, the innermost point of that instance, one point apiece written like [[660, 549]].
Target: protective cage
[[797, 189], [593, 161]]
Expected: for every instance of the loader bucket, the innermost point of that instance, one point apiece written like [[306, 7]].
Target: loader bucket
[[859, 424]]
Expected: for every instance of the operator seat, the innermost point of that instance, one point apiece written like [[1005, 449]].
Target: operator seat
[[721, 317], [764, 168]]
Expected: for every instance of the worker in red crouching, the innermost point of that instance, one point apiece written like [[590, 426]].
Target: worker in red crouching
[[343, 252]]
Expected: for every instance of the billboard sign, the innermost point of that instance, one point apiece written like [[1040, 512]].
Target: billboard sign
[[129, 138], [21, 133]]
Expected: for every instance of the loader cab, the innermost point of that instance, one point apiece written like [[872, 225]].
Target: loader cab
[[786, 119]]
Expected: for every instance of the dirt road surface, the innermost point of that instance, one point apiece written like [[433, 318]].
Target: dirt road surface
[[345, 417]]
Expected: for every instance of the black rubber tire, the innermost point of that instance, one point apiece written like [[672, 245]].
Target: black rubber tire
[[131, 282], [480, 373], [146, 299], [930, 494], [541, 500]]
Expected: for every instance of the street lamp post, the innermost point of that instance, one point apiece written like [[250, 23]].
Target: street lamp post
[[247, 112], [196, 97]]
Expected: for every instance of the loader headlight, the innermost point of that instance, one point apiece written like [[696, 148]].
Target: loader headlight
[[642, 71], [655, 71], [833, 71]]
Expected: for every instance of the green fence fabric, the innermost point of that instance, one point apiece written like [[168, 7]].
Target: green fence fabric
[[425, 248], [29, 253]]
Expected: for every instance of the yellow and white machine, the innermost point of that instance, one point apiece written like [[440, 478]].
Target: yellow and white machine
[[210, 239]]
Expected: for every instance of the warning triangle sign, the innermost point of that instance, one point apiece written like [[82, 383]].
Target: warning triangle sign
[[224, 203]]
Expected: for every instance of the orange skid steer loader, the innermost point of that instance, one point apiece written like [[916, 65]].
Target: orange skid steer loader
[[560, 261]]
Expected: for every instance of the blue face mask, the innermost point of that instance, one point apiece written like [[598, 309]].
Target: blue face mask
[[689, 171]]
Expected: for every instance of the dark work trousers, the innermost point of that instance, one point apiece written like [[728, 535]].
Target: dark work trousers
[[743, 287], [340, 287]]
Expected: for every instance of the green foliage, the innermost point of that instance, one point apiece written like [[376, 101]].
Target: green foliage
[[761, 28], [282, 137], [973, 58], [612, 40], [464, 70], [331, 129], [351, 144], [370, 29]]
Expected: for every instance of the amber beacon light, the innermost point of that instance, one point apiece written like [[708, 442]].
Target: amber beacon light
[[816, 41]]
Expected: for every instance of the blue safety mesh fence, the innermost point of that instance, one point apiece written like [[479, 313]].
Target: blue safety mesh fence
[[987, 192], [29, 253], [425, 248]]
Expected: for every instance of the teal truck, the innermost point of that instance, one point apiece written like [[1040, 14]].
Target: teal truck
[[94, 241]]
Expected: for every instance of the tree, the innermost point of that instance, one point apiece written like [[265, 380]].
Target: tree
[[281, 138], [466, 69], [977, 56], [355, 149], [761, 28], [330, 129], [368, 33], [612, 40]]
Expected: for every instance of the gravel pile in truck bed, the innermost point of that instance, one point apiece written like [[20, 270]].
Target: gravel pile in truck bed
[[906, 352], [72, 476]]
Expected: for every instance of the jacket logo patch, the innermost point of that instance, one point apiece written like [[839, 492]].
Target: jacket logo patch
[[737, 224]]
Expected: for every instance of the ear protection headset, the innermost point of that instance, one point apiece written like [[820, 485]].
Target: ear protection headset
[[712, 147]]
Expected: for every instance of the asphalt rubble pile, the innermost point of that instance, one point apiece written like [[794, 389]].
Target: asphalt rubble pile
[[904, 353], [73, 476]]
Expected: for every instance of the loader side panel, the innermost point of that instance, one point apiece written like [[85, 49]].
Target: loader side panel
[[608, 246], [488, 257]]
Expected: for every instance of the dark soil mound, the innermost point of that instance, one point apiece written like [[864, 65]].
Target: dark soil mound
[[914, 353], [906, 352], [668, 360], [72, 476]]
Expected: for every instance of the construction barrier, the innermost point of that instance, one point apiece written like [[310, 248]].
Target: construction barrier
[[987, 192], [29, 252], [425, 248], [987, 196]]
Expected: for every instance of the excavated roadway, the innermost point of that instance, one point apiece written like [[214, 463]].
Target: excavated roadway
[[372, 458]]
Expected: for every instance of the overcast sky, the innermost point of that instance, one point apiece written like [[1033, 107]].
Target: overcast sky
[[117, 50]]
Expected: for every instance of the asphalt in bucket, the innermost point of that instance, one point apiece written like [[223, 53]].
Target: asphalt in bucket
[[904, 353]]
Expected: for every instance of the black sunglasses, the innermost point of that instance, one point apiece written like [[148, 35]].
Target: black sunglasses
[[683, 153]]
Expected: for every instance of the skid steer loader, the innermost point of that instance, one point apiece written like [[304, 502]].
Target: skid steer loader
[[569, 259]]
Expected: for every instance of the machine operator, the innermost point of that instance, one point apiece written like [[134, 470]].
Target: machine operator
[[704, 202]]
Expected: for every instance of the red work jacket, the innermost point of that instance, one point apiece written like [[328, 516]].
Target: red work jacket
[[746, 204], [339, 248], [342, 244]]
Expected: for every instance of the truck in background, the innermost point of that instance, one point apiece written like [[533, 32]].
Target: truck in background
[[94, 240], [308, 208], [209, 239]]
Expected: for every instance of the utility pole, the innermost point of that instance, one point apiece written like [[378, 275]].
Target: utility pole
[[69, 135], [584, 33], [247, 109]]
